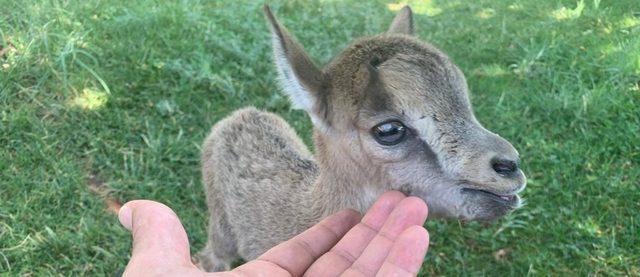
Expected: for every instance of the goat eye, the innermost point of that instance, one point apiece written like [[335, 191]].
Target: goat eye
[[389, 133]]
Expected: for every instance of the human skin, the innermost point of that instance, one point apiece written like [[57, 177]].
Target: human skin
[[388, 240]]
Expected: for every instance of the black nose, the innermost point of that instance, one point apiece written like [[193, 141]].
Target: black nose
[[504, 167]]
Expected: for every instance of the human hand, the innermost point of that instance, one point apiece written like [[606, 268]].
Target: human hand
[[388, 240]]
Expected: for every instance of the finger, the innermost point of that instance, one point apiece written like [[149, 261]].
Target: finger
[[407, 253], [410, 211], [159, 240], [343, 254], [298, 253]]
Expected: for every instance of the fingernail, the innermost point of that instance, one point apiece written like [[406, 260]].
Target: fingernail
[[124, 215]]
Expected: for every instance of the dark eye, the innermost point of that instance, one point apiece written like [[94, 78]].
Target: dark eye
[[389, 133]]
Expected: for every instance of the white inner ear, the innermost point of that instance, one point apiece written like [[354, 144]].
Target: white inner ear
[[299, 96]]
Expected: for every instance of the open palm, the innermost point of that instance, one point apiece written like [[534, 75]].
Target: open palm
[[388, 240]]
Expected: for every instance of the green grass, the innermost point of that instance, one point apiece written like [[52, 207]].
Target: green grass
[[127, 90]]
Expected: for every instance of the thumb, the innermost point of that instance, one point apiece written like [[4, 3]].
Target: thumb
[[159, 240]]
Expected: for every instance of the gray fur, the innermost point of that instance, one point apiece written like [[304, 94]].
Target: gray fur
[[263, 186]]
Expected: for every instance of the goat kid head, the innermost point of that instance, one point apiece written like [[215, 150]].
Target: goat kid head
[[398, 109]]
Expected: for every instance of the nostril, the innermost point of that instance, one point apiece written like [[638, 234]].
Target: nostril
[[504, 167]]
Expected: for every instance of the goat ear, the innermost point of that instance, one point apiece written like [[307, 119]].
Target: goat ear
[[301, 79], [403, 22]]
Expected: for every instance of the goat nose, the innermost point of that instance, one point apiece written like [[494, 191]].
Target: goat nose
[[504, 167]]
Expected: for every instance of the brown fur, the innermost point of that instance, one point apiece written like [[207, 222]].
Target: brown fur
[[263, 186]]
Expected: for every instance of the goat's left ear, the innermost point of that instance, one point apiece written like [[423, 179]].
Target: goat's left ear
[[301, 79], [402, 23]]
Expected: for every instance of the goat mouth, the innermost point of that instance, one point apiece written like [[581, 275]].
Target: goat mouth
[[511, 200]]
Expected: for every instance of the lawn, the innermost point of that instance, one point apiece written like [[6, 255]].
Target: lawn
[[119, 95]]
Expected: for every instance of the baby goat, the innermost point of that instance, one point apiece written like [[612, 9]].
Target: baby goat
[[389, 113]]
